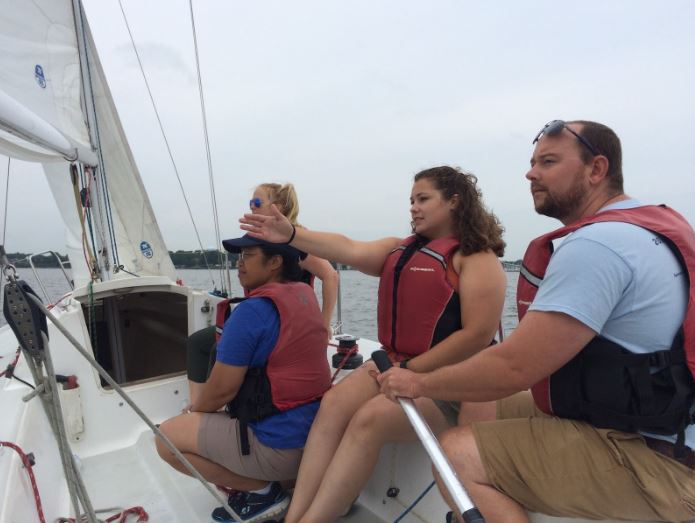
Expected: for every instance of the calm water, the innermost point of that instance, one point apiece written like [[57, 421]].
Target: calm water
[[359, 295]]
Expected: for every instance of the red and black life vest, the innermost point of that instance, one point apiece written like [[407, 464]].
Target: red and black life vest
[[604, 383], [297, 369], [418, 300]]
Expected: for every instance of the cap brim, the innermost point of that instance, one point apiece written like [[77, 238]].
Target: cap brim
[[236, 244]]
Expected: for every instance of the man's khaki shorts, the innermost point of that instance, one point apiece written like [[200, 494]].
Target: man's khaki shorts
[[562, 467], [218, 441]]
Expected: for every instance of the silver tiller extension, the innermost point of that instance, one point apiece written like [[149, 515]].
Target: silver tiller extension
[[465, 506]]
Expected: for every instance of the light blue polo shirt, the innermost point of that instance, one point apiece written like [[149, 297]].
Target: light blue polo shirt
[[621, 281]]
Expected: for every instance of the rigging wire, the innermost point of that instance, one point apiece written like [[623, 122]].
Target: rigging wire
[[4, 220], [213, 196], [166, 141], [101, 167], [7, 192]]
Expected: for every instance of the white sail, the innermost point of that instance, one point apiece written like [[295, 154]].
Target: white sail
[[44, 108], [138, 240], [40, 73]]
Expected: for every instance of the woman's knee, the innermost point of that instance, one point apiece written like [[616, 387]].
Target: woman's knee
[[374, 419], [162, 449], [343, 398], [180, 432]]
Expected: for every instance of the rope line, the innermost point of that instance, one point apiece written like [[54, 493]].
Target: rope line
[[28, 466], [412, 505], [213, 196], [88, 214], [166, 140]]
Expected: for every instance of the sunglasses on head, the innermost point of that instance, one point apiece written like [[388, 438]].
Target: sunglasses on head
[[255, 202], [555, 127]]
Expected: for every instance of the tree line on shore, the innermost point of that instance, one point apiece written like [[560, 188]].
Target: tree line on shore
[[180, 259]]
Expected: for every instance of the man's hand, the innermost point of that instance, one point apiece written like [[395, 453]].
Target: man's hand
[[275, 228], [400, 382]]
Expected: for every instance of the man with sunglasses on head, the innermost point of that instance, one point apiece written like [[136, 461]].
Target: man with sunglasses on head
[[605, 342]]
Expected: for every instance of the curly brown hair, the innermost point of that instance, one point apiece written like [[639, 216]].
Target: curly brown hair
[[477, 228]]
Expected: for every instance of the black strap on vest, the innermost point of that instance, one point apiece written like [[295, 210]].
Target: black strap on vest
[[611, 387], [253, 402]]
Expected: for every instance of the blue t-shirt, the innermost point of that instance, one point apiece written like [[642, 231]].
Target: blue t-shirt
[[248, 338], [621, 281]]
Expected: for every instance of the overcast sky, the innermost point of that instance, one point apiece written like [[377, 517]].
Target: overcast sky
[[349, 99]]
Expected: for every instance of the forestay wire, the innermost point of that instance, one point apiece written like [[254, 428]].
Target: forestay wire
[[168, 147], [222, 261], [95, 135]]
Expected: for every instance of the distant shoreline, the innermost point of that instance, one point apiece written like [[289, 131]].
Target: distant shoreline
[[180, 259]]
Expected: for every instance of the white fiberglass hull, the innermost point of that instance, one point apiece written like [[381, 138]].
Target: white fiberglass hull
[[116, 451]]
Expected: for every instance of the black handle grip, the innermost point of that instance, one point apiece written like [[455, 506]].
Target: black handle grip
[[473, 515], [383, 363]]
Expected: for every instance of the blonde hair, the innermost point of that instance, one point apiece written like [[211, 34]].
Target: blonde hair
[[285, 198]]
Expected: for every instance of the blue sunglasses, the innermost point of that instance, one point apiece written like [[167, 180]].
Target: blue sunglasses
[[255, 202]]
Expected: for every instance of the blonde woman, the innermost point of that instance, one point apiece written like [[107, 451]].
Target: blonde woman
[[284, 197]]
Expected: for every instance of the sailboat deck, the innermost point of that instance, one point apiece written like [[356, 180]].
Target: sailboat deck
[[135, 476]]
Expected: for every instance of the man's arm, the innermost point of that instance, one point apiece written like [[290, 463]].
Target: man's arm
[[220, 388], [542, 343]]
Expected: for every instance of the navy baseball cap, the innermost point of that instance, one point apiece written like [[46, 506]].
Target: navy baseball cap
[[236, 244]]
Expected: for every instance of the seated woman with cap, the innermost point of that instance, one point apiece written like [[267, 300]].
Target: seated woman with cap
[[270, 371], [200, 345]]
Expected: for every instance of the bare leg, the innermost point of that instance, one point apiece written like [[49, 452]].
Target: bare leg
[[183, 433], [337, 408], [461, 449], [378, 422]]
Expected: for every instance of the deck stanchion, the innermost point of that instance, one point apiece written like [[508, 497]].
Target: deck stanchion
[[465, 506]]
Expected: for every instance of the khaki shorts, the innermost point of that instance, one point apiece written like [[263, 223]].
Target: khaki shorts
[[563, 467], [218, 441]]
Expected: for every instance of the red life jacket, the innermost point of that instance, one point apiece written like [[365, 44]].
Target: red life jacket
[[418, 302], [224, 307], [297, 369], [559, 393]]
